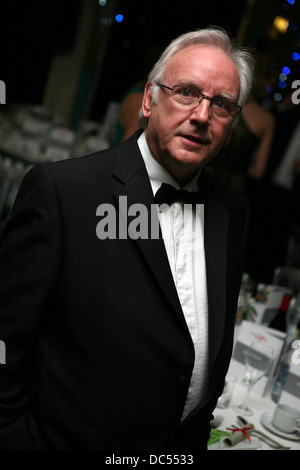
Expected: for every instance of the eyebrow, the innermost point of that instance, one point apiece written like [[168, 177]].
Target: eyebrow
[[223, 96]]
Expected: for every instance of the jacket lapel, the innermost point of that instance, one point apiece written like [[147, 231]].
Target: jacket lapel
[[137, 190], [216, 255], [215, 239]]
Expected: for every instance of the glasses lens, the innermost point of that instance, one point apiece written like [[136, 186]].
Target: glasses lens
[[224, 108], [186, 96]]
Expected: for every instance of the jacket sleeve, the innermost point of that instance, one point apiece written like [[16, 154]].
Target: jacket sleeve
[[29, 258]]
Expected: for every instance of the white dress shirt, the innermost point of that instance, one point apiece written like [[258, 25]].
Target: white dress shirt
[[182, 228]]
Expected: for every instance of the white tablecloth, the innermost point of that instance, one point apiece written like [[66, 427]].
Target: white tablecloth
[[260, 406]]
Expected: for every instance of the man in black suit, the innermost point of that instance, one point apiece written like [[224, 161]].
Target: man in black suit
[[117, 309]]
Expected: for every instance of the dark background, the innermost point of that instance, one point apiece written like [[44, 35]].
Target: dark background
[[32, 32]]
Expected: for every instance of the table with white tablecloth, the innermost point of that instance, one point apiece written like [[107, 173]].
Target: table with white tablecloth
[[263, 408]]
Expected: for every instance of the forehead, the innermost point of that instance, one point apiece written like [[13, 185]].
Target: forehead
[[204, 65]]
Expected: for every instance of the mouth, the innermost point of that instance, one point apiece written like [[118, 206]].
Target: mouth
[[194, 140]]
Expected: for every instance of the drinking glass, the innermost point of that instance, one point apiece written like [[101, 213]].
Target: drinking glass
[[258, 359]]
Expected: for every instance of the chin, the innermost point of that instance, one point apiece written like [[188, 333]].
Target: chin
[[190, 159]]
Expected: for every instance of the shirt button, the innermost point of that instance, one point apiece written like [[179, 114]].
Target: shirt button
[[182, 380]]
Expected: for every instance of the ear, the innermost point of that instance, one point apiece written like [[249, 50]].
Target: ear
[[147, 99]]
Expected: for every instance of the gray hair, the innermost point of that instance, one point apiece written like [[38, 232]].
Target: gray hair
[[218, 37]]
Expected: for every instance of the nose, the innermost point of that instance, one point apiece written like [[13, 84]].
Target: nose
[[202, 112]]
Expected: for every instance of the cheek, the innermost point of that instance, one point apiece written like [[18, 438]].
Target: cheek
[[162, 124], [223, 134], [167, 115]]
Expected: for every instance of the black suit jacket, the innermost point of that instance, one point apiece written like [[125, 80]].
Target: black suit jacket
[[98, 352]]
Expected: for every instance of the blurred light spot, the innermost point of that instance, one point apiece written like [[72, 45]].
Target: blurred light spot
[[295, 56], [277, 97], [282, 77], [281, 24], [286, 70], [119, 18]]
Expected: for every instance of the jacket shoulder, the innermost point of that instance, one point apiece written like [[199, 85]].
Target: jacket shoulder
[[99, 164], [84, 165]]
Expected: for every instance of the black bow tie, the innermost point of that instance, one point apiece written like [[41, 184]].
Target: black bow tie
[[167, 194]]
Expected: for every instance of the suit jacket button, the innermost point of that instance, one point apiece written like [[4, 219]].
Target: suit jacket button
[[182, 380]]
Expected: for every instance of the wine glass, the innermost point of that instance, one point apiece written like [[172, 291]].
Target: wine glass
[[258, 359]]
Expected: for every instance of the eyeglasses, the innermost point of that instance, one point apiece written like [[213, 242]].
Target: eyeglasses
[[190, 98]]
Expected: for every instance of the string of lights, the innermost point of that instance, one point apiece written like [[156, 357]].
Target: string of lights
[[283, 24]]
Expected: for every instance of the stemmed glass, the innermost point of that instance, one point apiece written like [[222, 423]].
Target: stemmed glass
[[258, 359]]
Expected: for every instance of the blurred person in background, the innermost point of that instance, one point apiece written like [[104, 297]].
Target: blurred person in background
[[128, 118], [274, 199], [243, 162], [245, 158]]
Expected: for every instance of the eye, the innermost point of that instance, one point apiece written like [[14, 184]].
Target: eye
[[221, 104], [186, 92]]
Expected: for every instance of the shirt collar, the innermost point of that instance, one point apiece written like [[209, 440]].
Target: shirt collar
[[157, 173]]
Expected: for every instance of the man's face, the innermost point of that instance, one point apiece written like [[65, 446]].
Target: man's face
[[180, 138]]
